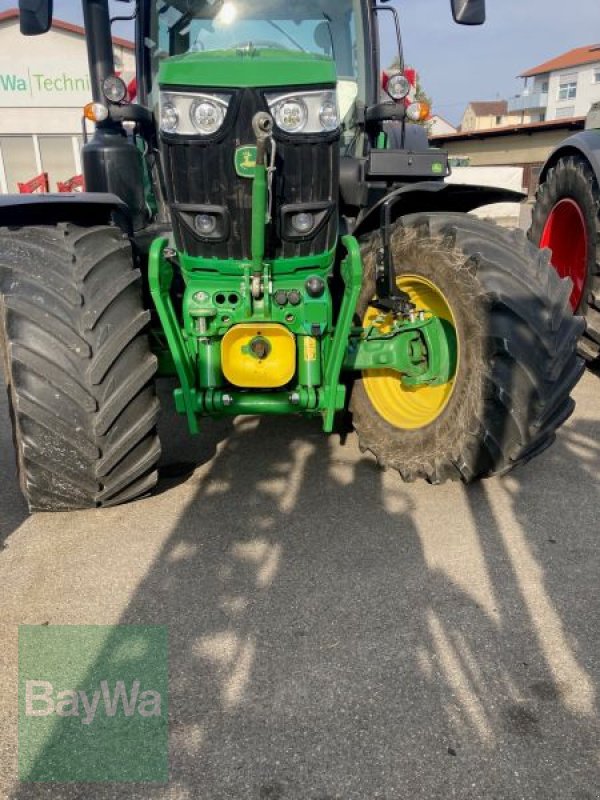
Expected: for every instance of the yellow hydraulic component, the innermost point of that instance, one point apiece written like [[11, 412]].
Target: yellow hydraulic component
[[409, 407], [258, 355]]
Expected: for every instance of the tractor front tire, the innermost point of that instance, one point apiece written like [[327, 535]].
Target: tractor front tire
[[517, 362], [566, 219], [77, 366]]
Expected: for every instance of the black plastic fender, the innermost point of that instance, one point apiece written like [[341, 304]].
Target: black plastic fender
[[584, 143], [81, 208], [429, 196]]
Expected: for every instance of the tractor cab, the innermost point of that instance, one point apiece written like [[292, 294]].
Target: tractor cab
[[320, 29]]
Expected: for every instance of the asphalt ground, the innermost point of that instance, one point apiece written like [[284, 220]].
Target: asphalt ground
[[334, 633]]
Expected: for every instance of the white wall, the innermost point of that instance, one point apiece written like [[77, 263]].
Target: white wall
[[503, 177], [588, 91]]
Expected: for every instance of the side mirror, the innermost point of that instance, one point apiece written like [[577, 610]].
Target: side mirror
[[468, 12], [35, 16]]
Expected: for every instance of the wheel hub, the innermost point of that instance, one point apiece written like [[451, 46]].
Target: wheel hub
[[565, 233]]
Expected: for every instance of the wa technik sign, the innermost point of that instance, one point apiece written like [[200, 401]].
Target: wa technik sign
[[31, 86], [93, 703]]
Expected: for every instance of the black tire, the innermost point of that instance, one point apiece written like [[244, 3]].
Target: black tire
[[78, 367], [573, 178], [518, 341]]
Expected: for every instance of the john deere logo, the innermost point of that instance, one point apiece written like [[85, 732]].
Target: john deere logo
[[245, 161]]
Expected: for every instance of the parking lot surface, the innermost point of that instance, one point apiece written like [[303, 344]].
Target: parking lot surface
[[334, 633]]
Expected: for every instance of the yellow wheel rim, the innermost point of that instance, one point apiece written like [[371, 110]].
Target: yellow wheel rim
[[409, 407]]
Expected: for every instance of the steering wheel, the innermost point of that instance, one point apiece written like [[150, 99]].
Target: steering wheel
[[259, 43]]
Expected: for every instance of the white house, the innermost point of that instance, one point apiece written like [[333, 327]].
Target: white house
[[562, 88], [438, 126]]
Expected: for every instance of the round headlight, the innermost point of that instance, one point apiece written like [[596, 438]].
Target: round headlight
[[169, 118], [398, 87], [114, 89], [206, 224], [291, 115], [207, 116], [328, 115], [303, 222]]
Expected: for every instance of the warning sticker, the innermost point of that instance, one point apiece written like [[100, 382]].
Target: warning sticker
[[310, 348]]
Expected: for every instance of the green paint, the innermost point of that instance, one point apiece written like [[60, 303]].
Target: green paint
[[160, 278], [231, 69], [245, 161], [422, 352], [277, 266], [260, 194], [441, 346], [274, 403], [352, 273]]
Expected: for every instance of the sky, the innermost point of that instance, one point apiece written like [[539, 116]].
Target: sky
[[458, 64]]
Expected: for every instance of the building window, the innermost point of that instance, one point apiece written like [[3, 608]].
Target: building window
[[19, 160], [568, 87], [545, 87], [58, 158], [565, 113], [597, 75], [498, 120]]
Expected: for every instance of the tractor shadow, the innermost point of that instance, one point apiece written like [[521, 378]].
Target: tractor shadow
[[337, 634]]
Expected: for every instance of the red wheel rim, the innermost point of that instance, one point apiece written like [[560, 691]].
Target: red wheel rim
[[565, 233]]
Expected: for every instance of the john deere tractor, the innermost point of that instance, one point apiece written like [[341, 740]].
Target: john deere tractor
[[265, 224]]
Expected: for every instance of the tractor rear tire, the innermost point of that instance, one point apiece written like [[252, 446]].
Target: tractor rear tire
[[566, 218], [517, 363], [78, 367]]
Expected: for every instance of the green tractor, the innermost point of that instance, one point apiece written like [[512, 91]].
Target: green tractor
[[265, 224]]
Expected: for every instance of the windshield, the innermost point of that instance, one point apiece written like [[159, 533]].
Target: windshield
[[324, 27]]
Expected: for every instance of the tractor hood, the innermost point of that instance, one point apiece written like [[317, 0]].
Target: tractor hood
[[247, 69]]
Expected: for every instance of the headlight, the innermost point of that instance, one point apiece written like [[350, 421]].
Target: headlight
[[306, 112], [208, 115], [169, 118], [291, 115], [398, 86], [192, 114]]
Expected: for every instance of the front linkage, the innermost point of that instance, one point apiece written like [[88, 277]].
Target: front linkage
[[219, 311]]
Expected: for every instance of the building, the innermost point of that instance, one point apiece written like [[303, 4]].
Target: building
[[438, 126], [562, 88], [486, 114], [44, 85], [527, 146]]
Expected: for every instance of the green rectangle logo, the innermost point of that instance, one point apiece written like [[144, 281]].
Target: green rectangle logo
[[93, 703]]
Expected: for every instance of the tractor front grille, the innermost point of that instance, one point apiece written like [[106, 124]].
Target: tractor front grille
[[203, 174]]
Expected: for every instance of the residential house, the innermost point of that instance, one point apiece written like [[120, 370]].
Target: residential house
[[487, 114], [562, 88], [438, 126]]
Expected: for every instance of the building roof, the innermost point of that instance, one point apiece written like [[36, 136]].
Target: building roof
[[572, 58], [61, 25], [570, 123], [489, 108]]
